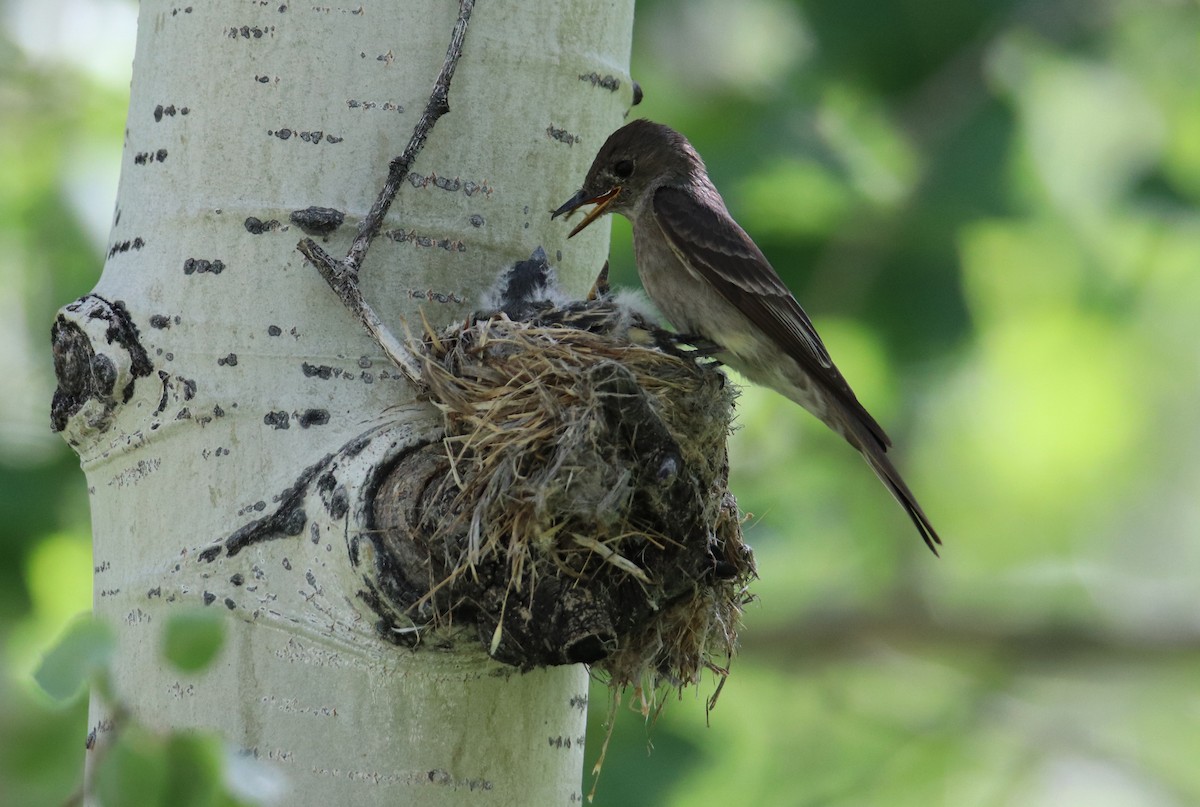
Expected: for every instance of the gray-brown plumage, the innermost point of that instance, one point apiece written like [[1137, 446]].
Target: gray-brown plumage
[[711, 280]]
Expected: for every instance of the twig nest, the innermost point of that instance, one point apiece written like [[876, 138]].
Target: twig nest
[[577, 509]]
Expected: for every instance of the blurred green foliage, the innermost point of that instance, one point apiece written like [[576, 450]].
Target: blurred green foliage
[[990, 211], [192, 639], [81, 655], [136, 767]]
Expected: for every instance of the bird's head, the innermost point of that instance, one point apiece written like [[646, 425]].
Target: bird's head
[[636, 159]]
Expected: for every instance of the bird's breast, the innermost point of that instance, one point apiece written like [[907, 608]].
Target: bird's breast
[[673, 287], [691, 304]]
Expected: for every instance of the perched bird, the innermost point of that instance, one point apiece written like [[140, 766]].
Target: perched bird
[[711, 280]]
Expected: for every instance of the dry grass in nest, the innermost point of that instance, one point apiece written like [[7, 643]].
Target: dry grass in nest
[[580, 512]]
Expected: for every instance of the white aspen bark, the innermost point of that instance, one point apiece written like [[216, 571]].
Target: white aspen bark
[[224, 368]]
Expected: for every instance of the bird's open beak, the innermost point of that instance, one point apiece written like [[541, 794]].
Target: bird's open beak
[[601, 202]]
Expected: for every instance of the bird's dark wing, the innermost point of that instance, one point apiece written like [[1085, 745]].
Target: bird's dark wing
[[706, 238]]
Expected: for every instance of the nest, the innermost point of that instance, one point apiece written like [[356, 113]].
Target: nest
[[577, 509]]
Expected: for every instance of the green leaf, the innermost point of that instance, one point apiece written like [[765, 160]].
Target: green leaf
[[134, 772], [83, 651], [192, 639], [195, 770]]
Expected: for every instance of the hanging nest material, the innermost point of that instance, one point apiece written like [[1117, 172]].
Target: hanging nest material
[[577, 509]]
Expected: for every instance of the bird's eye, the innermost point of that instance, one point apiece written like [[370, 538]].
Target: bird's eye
[[623, 169]]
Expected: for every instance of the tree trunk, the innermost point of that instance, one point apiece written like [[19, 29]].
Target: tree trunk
[[212, 376]]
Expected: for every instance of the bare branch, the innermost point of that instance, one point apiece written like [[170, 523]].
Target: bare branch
[[345, 284], [342, 276], [437, 106]]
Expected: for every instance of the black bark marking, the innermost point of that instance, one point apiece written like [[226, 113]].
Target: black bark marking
[[150, 157], [286, 133], [256, 226], [250, 32], [561, 135], [607, 82], [162, 402], [400, 236], [169, 110], [200, 266], [288, 519], [313, 417], [318, 220], [126, 245]]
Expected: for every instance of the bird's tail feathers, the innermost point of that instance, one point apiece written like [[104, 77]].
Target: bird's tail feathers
[[874, 454]]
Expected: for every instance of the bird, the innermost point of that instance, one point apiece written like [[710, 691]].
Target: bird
[[710, 280]]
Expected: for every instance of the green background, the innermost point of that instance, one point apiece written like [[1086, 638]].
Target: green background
[[990, 211]]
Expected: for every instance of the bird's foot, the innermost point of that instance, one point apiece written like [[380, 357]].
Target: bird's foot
[[699, 347]]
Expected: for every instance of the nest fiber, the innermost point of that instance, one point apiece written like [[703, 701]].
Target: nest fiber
[[577, 509]]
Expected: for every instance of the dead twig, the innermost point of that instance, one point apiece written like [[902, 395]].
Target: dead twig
[[342, 275], [437, 106], [345, 285]]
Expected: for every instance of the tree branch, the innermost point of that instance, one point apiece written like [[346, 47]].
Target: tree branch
[[437, 106], [342, 276], [345, 284]]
